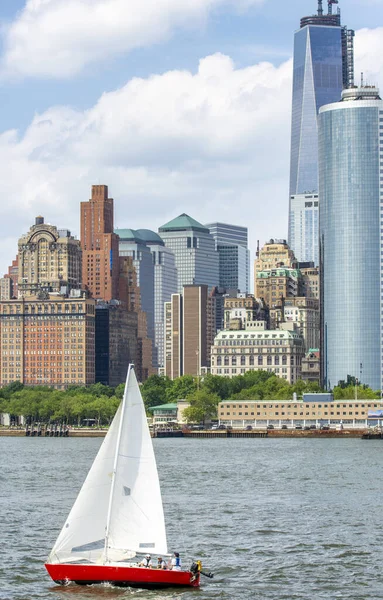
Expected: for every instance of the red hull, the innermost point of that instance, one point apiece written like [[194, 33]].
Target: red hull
[[123, 576]]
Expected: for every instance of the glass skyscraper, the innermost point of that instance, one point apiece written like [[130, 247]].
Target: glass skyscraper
[[197, 260], [234, 255], [323, 66], [351, 230]]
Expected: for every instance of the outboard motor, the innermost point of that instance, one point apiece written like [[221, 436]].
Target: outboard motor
[[197, 568]]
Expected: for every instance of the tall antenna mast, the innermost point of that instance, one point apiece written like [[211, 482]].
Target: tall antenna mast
[[320, 8]]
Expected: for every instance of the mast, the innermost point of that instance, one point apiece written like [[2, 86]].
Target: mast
[[107, 527]]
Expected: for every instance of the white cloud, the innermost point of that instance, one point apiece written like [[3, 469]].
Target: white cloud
[[59, 38], [214, 144], [369, 56]]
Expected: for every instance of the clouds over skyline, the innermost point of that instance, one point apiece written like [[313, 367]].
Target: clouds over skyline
[[208, 144], [212, 140], [59, 38]]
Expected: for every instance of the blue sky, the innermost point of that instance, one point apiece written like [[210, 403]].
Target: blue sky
[[123, 99]]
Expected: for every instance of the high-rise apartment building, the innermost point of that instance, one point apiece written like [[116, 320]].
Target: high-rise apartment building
[[351, 229], [47, 342], [49, 260], [99, 245], [196, 257], [323, 66], [234, 255], [187, 339]]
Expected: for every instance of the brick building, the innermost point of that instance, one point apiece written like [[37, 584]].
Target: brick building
[[99, 243]]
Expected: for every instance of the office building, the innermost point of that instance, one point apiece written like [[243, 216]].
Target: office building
[[99, 245], [323, 66], [165, 284], [304, 312], [196, 257], [240, 309], [310, 276], [49, 260], [130, 296], [132, 244], [351, 229], [116, 342], [304, 227], [234, 255], [187, 348], [256, 348], [294, 413]]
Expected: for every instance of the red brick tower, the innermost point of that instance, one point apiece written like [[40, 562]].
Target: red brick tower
[[99, 243]]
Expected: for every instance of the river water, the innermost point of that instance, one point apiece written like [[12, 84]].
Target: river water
[[273, 519]]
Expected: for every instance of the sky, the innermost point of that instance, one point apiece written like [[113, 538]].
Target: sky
[[177, 105]]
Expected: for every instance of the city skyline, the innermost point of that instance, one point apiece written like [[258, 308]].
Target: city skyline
[[212, 156]]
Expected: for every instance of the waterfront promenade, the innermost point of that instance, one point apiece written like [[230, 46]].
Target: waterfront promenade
[[207, 433]]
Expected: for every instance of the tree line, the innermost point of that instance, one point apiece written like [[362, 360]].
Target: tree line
[[98, 402]]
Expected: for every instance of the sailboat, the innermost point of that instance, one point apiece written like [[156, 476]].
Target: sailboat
[[118, 514]]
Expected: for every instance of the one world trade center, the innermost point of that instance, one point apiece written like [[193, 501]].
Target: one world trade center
[[323, 66]]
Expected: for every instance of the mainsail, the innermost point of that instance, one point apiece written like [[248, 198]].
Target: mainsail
[[121, 496]]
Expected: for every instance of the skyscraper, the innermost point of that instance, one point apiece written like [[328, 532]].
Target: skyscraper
[[234, 255], [186, 332], [100, 270], [165, 284], [197, 260], [323, 66], [351, 228], [132, 244]]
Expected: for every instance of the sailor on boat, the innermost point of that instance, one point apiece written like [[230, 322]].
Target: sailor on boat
[[176, 562], [161, 564], [147, 562]]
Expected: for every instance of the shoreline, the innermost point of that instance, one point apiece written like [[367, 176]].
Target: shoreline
[[235, 433]]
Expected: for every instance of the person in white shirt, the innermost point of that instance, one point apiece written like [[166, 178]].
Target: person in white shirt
[[176, 562], [147, 562]]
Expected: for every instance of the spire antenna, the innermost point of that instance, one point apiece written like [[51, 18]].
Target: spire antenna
[[320, 8]]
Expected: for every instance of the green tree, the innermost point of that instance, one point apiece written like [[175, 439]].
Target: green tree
[[154, 390], [203, 406], [216, 384], [181, 388]]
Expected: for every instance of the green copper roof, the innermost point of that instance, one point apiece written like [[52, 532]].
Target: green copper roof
[[182, 223], [169, 406], [129, 235]]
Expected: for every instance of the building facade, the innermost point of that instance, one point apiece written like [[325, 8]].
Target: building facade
[[48, 341], [234, 255], [258, 349], [304, 312], [304, 227], [260, 413], [99, 245], [323, 66], [132, 244], [116, 341], [49, 260], [165, 284], [351, 229], [187, 336], [196, 257]]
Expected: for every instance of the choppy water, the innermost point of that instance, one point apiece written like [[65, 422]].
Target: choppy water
[[274, 519]]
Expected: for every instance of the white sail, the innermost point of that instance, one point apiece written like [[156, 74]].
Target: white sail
[[136, 515], [137, 518]]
